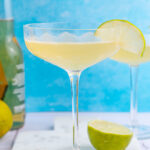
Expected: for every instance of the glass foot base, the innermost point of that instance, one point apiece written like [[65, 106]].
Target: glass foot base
[[142, 132]]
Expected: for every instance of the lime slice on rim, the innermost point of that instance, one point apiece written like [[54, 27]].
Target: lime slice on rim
[[108, 136], [129, 37]]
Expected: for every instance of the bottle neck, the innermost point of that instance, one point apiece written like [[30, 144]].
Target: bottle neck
[[6, 29], [5, 9]]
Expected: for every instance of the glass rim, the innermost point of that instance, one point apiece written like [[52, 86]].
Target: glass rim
[[35, 26]]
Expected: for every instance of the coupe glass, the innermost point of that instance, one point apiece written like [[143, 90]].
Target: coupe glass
[[134, 60], [71, 48], [142, 131]]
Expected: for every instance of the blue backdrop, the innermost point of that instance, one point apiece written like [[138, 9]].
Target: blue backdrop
[[103, 87]]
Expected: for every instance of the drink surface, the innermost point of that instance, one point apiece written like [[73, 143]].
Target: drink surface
[[72, 56], [12, 67], [133, 58]]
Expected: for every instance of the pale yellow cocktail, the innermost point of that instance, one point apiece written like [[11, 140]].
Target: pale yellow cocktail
[[131, 58], [72, 56]]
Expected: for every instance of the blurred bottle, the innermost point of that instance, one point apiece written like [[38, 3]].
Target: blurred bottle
[[11, 66]]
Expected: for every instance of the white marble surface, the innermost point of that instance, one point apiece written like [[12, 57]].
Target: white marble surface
[[43, 122], [54, 140]]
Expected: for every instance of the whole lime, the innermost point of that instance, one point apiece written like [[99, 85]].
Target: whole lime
[[6, 119]]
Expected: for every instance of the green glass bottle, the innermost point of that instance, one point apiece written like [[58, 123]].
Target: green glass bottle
[[11, 66]]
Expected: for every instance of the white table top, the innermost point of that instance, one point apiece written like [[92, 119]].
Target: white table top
[[48, 121]]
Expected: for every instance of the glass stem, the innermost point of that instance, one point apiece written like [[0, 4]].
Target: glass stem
[[74, 78], [133, 98]]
